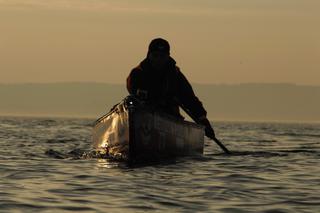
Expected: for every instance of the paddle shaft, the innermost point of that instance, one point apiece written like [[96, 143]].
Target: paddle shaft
[[221, 145]]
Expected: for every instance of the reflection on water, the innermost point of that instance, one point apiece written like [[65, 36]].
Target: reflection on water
[[108, 164], [48, 165]]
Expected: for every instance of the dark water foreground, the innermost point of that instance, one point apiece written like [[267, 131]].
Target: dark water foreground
[[274, 168]]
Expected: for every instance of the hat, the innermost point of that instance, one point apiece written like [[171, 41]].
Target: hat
[[160, 45]]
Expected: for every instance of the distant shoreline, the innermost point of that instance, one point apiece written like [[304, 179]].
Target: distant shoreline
[[251, 102]]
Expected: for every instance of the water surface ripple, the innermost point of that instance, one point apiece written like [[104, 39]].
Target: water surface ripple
[[274, 168]]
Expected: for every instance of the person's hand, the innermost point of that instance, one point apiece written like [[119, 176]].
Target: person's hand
[[209, 132], [142, 94]]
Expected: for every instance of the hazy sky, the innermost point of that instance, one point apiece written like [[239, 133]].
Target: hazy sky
[[213, 41]]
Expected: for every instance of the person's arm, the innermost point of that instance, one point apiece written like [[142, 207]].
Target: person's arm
[[136, 84], [192, 105], [133, 82]]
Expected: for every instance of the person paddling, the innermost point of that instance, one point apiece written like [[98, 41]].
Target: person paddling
[[158, 80]]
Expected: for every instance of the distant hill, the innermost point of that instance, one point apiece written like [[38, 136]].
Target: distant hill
[[277, 102], [264, 102]]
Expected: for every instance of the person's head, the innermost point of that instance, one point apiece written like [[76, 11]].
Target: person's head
[[159, 52]]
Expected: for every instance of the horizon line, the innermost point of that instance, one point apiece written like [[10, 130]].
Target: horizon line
[[192, 83], [92, 117]]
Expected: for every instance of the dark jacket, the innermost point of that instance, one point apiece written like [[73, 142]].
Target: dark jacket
[[167, 89]]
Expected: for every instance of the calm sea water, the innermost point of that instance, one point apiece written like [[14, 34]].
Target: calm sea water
[[274, 168]]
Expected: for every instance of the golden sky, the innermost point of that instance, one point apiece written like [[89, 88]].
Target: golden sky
[[213, 41]]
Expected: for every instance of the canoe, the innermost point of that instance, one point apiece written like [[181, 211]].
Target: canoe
[[133, 131]]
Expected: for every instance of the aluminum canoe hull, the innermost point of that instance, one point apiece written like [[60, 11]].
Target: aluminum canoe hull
[[135, 133]]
